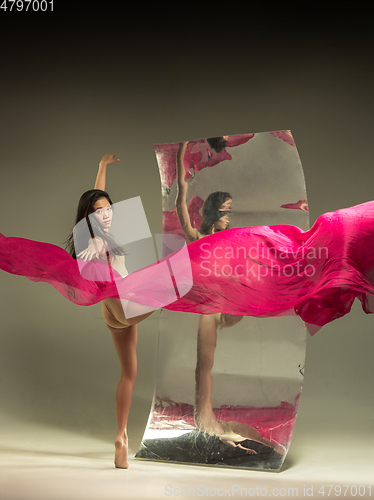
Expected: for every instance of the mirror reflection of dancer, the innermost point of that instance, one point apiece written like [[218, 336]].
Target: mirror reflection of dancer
[[215, 217], [124, 331]]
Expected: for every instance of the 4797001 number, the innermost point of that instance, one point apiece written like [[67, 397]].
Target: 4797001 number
[[27, 5]]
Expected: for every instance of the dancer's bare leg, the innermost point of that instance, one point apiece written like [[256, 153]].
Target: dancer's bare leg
[[205, 418], [206, 345], [125, 344]]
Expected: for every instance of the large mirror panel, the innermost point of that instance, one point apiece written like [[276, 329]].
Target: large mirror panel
[[227, 387]]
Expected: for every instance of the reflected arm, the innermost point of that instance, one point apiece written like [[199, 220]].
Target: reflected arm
[[101, 174], [191, 233]]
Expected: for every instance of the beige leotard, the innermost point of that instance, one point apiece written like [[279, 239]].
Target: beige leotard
[[111, 308]]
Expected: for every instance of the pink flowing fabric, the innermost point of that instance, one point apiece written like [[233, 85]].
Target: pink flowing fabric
[[44, 262], [252, 271]]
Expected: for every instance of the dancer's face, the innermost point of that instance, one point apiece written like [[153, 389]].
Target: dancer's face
[[103, 213], [226, 205], [224, 221]]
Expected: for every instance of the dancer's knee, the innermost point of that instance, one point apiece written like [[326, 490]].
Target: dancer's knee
[[128, 375]]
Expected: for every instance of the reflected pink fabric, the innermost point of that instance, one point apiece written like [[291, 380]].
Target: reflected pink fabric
[[198, 156], [275, 423], [300, 205], [285, 135], [252, 271]]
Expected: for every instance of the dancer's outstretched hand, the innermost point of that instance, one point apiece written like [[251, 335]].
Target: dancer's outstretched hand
[[92, 251], [108, 159]]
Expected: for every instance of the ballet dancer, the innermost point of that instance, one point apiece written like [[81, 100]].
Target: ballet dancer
[[102, 247], [215, 218]]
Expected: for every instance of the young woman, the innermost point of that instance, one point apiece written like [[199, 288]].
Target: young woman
[[102, 247]]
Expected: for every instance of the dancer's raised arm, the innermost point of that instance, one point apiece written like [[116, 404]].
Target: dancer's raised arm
[[191, 233], [101, 207], [106, 160]]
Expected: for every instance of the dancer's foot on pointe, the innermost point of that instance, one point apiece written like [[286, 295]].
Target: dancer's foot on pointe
[[120, 458]]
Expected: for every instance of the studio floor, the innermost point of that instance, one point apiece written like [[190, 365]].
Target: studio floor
[[45, 463]]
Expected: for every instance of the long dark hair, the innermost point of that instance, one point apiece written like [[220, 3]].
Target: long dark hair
[[211, 212], [85, 208]]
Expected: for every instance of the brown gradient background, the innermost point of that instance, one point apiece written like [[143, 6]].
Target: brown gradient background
[[76, 87]]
